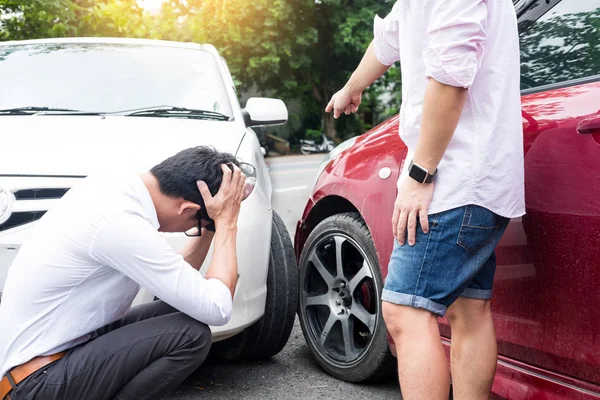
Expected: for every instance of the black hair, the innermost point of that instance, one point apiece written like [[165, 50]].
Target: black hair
[[178, 174]]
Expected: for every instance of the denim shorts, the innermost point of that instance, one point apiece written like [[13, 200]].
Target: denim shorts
[[456, 258]]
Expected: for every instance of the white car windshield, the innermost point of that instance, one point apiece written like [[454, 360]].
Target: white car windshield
[[109, 78]]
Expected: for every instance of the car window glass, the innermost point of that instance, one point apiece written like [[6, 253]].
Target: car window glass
[[562, 45], [110, 77]]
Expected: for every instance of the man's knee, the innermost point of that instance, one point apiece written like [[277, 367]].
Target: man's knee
[[467, 313], [402, 320], [196, 337], [201, 335]]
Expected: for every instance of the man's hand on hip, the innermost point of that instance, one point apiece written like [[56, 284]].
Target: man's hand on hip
[[442, 107], [412, 202]]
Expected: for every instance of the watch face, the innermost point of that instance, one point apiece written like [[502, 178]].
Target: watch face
[[417, 173]]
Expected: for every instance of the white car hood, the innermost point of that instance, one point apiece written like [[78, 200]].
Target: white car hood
[[81, 145]]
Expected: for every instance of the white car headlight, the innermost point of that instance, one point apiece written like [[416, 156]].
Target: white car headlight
[[333, 154]]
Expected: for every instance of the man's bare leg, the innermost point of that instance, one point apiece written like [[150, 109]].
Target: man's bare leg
[[422, 366], [474, 350]]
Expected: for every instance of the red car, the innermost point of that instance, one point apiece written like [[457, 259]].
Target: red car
[[547, 288]]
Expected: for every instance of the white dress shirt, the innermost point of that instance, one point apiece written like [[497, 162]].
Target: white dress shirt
[[470, 44], [83, 266]]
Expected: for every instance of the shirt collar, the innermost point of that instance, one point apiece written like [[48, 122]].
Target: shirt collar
[[146, 201]]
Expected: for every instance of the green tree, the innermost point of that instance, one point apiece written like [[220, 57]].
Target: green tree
[[263, 41], [345, 29], [33, 19], [113, 18]]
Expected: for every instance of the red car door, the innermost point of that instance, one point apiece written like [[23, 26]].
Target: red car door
[[547, 289]]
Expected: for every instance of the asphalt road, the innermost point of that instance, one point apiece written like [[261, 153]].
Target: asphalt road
[[292, 374]]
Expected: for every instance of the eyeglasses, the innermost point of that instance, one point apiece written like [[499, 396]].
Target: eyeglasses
[[249, 172]]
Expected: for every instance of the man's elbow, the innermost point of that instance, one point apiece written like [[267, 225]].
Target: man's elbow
[[218, 310], [217, 315], [222, 314]]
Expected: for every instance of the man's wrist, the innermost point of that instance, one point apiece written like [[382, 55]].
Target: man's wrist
[[225, 225], [208, 234], [427, 165], [354, 86], [420, 173]]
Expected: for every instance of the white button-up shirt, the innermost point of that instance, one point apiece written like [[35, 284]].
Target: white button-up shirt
[[83, 266], [471, 44]]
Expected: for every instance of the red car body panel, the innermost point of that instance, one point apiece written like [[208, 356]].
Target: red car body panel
[[355, 177], [547, 286], [546, 290]]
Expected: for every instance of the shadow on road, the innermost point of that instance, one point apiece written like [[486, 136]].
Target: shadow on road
[[292, 374]]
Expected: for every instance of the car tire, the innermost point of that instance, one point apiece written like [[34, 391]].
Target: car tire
[[267, 337], [369, 357]]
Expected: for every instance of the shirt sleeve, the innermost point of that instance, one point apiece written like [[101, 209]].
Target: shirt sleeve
[[134, 247], [456, 33], [386, 37]]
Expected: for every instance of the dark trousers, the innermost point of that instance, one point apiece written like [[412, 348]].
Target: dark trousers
[[145, 355]]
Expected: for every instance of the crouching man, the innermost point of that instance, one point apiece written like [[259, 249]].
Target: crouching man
[[67, 330]]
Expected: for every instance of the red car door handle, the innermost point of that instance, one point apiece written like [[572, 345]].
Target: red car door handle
[[589, 125]]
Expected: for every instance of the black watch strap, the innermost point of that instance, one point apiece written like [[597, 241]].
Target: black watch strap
[[420, 174]]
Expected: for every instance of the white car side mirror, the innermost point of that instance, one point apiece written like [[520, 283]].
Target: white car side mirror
[[261, 111]]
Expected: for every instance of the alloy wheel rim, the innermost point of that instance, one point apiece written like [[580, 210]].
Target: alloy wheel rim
[[340, 300]]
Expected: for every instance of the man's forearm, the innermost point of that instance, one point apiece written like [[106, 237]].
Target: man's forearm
[[195, 250], [223, 265], [367, 72], [442, 108]]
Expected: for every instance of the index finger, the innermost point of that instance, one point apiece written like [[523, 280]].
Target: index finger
[[329, 106], [395, 217]]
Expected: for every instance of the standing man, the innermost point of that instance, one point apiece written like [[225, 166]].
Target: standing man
[[66, 328], [461, 182]]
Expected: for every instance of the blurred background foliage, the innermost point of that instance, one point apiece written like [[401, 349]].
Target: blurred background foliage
[[301, 51]]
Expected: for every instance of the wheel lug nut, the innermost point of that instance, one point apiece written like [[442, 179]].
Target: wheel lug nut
[[343, 284], [338, 302]]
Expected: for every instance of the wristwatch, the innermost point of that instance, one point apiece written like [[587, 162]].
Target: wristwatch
[[420, 174]]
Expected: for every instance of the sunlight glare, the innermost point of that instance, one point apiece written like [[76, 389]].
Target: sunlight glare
[[152, 6]]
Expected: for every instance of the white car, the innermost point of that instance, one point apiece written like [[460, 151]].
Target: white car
[[73, 107]]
